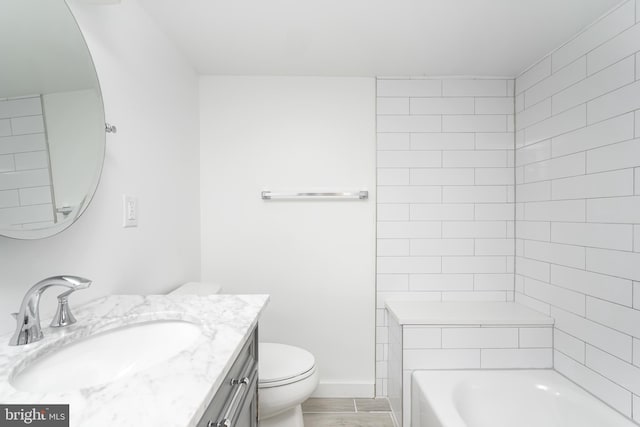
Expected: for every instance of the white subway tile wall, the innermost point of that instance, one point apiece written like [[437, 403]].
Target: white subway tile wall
[[445, 195], [25, 179], [578, 204]]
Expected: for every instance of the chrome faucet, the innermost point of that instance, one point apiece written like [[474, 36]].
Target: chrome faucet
[[28, 328]]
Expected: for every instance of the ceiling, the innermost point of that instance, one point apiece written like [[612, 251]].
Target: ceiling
[[371, 37]]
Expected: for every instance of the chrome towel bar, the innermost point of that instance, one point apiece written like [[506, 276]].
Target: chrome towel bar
[[357, 195]]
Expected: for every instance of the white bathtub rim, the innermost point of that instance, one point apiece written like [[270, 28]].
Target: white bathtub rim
[[437, 388]]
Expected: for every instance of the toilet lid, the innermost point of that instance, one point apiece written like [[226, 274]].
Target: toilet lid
[[281, 362]]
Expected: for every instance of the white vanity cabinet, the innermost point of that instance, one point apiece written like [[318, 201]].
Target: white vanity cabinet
[[235, 404]]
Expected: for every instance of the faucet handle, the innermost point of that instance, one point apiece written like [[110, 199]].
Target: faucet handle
[[28, 328], [63, 316]]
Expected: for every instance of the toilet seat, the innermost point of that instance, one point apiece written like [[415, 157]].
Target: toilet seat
[[281, 364]]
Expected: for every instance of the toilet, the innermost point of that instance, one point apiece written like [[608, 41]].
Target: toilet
[[287, 375]]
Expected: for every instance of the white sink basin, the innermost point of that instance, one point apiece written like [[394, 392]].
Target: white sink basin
[[107, 356]]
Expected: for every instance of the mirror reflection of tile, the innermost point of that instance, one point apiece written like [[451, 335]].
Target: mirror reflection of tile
[[25, 176]]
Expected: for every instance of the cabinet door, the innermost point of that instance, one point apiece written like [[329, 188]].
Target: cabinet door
[[248, 414], [233, 401]]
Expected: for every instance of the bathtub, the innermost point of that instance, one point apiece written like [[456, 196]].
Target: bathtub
[[505, 398]]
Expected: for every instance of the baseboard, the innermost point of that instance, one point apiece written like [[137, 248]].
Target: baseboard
[[343, 389]]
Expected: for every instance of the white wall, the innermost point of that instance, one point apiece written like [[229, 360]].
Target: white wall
[[73, 119], [445, 194], [151, 95], [315, 258], [578, 204], [43, 52]]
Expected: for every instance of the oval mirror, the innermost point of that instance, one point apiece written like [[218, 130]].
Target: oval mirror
[[52, 127]]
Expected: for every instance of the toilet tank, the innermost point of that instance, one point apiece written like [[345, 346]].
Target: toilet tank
[[197, 288]]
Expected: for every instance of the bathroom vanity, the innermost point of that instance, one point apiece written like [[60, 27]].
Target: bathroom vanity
[[175, 361], [236, 401]]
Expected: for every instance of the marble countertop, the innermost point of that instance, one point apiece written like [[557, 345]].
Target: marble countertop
[[174, 393]]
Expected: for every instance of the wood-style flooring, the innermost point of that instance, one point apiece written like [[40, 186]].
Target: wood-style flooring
[[347, 413]]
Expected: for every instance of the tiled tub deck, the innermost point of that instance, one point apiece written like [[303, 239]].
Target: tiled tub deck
[[461, 335]]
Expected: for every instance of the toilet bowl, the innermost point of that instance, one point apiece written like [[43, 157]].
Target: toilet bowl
[[287, 375]]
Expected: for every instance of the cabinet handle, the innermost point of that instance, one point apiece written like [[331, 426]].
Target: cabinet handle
[[239, 396], [242, 381]]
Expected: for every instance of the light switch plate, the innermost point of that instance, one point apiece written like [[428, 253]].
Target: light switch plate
[[130, 211]]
